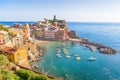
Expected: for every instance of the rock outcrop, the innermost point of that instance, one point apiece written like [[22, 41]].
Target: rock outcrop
[[101, 48]]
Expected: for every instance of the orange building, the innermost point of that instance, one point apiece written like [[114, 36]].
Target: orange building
[[17, 56]]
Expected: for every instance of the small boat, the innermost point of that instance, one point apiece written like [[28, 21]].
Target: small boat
[[59, 50], [76, 55], [58, 55], [91, 58], [78, 58], [65, 51], [67, 56], [93, 48]]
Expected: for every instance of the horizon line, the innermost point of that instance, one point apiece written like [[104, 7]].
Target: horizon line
[[66, 21]]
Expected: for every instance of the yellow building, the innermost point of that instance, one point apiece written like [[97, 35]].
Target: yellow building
[[17, 56]]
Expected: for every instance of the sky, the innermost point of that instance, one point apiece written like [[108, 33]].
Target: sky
[[69, 10]]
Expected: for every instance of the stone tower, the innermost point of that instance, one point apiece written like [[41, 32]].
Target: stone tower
[[54, 17], [26, 31]]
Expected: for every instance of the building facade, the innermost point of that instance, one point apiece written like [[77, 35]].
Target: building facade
[[4, 37], [17, 56], [49, 33]]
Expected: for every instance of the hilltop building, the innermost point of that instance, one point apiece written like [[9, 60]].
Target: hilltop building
[[17, 41]]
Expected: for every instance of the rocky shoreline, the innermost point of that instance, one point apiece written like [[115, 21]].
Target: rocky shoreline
[[100, 47], [92, 45], [37, 56]]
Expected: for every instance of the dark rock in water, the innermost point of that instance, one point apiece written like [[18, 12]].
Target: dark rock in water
[[72, 34], [107, 50]]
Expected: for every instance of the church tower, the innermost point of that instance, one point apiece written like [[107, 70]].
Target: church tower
[[26, 31]]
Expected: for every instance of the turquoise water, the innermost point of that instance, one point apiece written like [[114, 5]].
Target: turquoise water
[[106, 67]]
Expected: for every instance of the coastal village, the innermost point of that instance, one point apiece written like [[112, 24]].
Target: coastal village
[[18, 42]]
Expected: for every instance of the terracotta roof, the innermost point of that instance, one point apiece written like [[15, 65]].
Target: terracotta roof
[[8, 50], [3, 32]]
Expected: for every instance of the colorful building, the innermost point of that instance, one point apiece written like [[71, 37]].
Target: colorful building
[[49, 33], [61, 34], [17, 56], [17, 41], [4, 38]]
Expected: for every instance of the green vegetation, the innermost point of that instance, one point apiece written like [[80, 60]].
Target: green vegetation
[[3, 61], [11, 34], [62, 27], [51, 21], [2, 27], [29, 75], [21, 74], [8, 75]]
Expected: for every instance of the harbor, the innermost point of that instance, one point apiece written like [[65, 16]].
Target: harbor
[[94, 46], [68, 68]]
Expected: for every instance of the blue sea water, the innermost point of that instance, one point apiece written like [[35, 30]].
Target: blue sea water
[[106, 67], [10, 23]]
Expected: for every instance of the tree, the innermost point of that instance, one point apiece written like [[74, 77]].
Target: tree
[[29, 75], [3, 61], [7, 75], [2, 27]]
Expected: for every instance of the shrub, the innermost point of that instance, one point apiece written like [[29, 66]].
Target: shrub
[[29, 75], [3, 61], [7, 75]]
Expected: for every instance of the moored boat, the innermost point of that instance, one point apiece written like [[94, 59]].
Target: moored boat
[[76, 55], [58, 55], [67, 56], [59, 50], [65, 51], [93, 48], [78, 58], [91, 58]]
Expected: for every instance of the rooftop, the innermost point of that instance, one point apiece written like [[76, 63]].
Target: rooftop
[[3, 32], [8, 50]]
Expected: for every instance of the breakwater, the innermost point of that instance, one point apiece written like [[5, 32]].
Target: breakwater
[[93, 45], [100, 47]]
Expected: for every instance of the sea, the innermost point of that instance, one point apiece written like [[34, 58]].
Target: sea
[[105, 67]]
